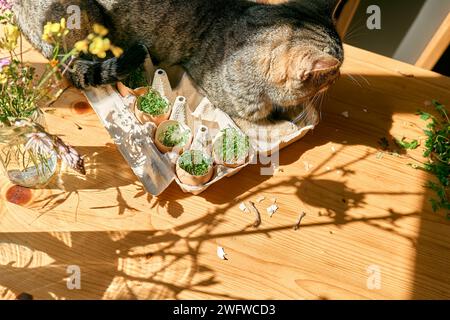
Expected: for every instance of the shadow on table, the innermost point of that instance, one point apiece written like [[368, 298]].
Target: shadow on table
[[160, 264], [168, 265]]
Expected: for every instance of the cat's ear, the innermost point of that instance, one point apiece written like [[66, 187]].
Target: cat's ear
[[325, 63]]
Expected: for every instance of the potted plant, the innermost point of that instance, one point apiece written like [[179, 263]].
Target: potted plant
[[172, 135], [194, 168], [231, 148], [135, 84], [152, 107]]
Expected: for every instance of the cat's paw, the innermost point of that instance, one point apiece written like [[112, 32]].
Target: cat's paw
[[133, 58]]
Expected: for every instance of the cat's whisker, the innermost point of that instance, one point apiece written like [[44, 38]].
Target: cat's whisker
[[301, 116], [352, 28], [365, 79], [354, 36], [356, 30], [322, 99], [313, 105], [319, 102], [354, 80]]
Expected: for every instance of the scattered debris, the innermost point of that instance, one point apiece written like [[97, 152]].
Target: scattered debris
[[333, 149], [407, 75], [272, 209], [280, 169], [277, 169], [414, 166], [308, 166], [380, 155], [50, 111], [260, 199], [345, 114], [255, 210], [299, 221], [221, 253], [365, 110], [243, 207]]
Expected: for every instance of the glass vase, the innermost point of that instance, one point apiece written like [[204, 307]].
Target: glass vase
[[38, 116], [26, 168], [23, 164]]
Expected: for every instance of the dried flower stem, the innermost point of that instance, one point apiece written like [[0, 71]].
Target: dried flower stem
[[255, 210], [299, 221]]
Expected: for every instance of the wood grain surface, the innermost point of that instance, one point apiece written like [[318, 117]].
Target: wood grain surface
[[364, 210]]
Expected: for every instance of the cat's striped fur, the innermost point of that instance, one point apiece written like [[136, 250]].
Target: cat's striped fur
[[254, 61]]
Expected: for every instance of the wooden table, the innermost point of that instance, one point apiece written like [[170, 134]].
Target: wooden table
[[367, 212]]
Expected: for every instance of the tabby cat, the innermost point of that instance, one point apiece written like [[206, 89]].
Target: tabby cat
[[255, 61]]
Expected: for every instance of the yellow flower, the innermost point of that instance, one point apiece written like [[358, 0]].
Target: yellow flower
[[11, 33], [47, 35], [117, 52], [47, 27], [53, 63], [63, 23], [3, 78], [54, 31], [82, 46], [106, 44], [55, 28], [99, 47], [100, 30]]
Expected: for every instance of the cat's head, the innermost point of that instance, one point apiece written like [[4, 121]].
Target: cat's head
[[301, 53]]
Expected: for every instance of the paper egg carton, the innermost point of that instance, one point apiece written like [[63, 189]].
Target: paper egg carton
[[155, 170]]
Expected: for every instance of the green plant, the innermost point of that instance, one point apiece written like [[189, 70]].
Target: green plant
[[136, 79], [21, 88], [173, 136], [152, 103], [412, 145], [437, 150], [195, 163], [233, 146]]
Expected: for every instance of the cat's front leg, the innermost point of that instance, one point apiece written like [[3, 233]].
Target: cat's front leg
[[254, 108]]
